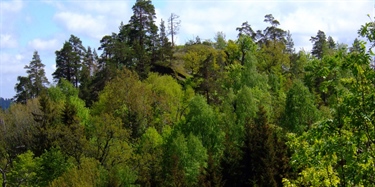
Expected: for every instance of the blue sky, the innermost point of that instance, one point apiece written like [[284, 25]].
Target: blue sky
[[44, 25]]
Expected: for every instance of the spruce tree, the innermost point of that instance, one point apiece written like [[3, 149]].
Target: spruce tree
[[37, 75]]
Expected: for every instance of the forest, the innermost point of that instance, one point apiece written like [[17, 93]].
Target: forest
[[146, 112]]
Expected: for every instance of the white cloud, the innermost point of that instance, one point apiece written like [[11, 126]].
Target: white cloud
[[54, 3], [11, 66], [11, 6], [94, 19], [303, 18], [7, 41], [83, 23], [40, 44], [12, 63], [9, 12]]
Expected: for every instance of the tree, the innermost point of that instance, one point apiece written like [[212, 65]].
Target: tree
[[108, 141], [36, 81], [368, 31], [5, 103], [88, 72], [16, 135], [37, 75], [23, 89], [24, 170], [150, 158], [173, 26], [201, 121], [183, 159], [274, 51], [272, 33], [339, 150], [69, 61], [331, 43], [289, 43], [165, 48], [167, 100], [142, 36], [246, 29], [320, 45], [300, 110], [121, 97], [220, 42], [88, 173], [356, 46], [202, 62], [264, 161], [51, 165]]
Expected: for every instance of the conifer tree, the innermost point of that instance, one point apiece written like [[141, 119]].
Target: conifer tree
[[31, 86], [142, 36], [69, 61]]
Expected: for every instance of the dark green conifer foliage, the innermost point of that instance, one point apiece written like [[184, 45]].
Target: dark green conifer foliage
[[265, 160], [69, 61], [142, 36], [320, 45], [34, 83]]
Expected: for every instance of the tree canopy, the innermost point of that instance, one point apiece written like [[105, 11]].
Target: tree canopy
[[249, 111]]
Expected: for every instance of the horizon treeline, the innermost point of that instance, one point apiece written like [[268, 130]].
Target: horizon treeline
[[143, 111]]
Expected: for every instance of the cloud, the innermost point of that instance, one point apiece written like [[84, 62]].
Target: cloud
[[11, 66], [94, 19], [11, 6], [341, 20], [303, 18], [93, 26], [12, 63], [9, 12], [7, 41], [40, 44]]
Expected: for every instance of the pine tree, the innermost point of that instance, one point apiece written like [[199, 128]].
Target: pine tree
[[23, 89], [69, 61], [89, 69], [32, 85], [142, 36]]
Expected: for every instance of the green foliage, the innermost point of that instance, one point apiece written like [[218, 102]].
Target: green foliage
[[201, 121], [121, 97], [246, 74], [108, 141], [342, 146], [51, 165], [265, 158], [320, 45], [243, 112], [69, 61], [90, 173], [31, 86], [167, 99], [150, 158], [368, 31], [300, 110], [184, 157], [24, 169]]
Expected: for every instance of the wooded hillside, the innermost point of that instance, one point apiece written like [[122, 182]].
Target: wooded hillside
[[143, 111]]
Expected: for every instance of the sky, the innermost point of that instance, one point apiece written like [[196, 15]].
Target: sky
[[44, 25]]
